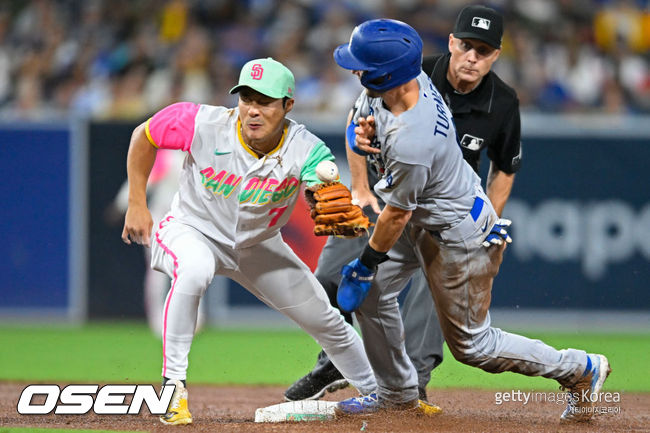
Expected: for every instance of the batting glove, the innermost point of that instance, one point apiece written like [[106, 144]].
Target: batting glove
[[354, 285], [498, 233]]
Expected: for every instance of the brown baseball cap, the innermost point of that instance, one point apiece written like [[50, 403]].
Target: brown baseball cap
[[479, 22]]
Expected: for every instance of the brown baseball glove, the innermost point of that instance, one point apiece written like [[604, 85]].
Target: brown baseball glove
[[333, 212]]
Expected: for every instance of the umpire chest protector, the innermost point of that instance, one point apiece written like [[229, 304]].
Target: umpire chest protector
[[486, 117]]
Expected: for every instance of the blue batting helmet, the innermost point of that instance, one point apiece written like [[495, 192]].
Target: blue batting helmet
[[389, 52]]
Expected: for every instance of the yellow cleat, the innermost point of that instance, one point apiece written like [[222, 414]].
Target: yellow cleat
[[427, 409], [177, 412]]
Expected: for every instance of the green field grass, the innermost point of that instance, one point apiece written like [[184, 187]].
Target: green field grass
[[128, 353]]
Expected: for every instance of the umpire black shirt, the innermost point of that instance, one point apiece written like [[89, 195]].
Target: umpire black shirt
[[488, 116]]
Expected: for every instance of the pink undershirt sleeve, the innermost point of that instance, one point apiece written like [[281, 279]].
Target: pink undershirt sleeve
[[173, 126], [161, 166]]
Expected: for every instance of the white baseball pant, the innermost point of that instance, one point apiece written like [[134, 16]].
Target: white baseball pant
[[272, 272]]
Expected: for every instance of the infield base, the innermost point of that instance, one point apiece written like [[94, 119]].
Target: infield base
[[304, 410]]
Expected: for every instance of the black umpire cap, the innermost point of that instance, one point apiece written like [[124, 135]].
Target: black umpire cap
[[479, 22]]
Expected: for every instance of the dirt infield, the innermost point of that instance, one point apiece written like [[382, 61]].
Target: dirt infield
[[231, 409]]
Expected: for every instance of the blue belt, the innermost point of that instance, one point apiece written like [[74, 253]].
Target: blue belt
[[477, 208], [475, 212]]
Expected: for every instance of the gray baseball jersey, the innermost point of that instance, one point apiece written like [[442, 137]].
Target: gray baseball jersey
[[423, 170]]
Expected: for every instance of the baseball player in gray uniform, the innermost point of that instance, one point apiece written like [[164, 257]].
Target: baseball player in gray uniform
[[486, 116], [438, 218], [240, 181], [426, 344]]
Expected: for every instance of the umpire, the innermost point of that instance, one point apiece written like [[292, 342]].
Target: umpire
[[486, 115]]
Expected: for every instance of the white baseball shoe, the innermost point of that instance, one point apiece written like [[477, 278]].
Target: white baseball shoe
[[585, 392]]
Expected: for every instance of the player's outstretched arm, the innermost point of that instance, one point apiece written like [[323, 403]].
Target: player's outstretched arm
[[139, 161], [390, 224], [357, 275]]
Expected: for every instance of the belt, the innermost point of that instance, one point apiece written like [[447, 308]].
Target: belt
[[466, 226]]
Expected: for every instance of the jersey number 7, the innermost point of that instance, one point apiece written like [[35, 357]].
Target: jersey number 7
[[278, 211]]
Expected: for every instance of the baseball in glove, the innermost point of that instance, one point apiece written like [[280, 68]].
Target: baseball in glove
[[333, 212]]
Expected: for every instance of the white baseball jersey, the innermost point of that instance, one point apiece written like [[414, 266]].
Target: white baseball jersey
[[225, 220], [226, 191]]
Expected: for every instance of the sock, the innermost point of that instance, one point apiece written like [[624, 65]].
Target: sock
[[165, 380]]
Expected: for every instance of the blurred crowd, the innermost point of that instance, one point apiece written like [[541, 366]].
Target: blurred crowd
[[124, 59]]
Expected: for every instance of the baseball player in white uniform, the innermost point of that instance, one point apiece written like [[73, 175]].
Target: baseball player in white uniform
[[240, 181], [161, 188], [436, 218]]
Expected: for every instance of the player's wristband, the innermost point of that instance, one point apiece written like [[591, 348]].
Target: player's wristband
[[371, 258], [351, 136]]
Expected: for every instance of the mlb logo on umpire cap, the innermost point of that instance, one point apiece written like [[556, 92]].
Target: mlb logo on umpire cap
[[479, 22], [482, 23]]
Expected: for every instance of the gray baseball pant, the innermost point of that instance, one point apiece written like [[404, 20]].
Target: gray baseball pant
[[460, 272], [424, 340]]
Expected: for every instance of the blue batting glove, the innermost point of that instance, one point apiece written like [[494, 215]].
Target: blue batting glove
[[498, 233], [354, 285]]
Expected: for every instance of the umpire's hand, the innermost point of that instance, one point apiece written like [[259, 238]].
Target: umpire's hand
[[137, 226]]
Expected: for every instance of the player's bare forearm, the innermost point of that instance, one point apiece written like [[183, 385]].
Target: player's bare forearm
[[499, 185], [358, 171], [389, 227], [139, 161], [360, 187]]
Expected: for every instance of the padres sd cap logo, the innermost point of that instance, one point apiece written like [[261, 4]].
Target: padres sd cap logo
[[268, 77], [257, 71]]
